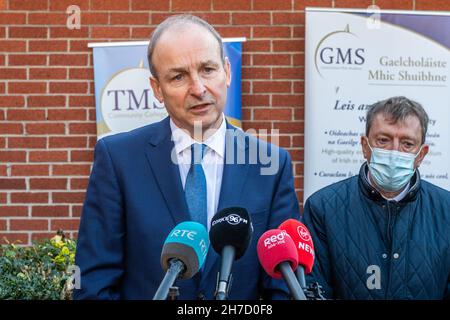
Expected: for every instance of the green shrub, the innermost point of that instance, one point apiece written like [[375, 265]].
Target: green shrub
[[38, 271]]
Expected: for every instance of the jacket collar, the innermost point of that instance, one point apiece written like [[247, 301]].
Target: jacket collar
[[370, 192], [160, 132], [166, 172]]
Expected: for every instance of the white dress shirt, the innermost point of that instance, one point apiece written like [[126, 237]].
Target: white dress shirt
[[212, 162]]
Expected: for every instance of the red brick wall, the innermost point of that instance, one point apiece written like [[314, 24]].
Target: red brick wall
[[47, 112]]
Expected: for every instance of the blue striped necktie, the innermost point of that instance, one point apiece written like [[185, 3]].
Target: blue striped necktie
[[195, 187]]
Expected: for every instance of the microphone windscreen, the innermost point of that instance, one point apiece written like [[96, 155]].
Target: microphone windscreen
[[231, 227], [189, 243], [274, 247], [303, 242]]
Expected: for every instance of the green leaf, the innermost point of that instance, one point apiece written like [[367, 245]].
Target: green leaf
[[32, 273]]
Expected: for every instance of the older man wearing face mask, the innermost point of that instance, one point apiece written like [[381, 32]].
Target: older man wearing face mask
[[384, 234]]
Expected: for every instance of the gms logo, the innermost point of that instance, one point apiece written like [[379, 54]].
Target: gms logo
[[339, 50], [127, 102]]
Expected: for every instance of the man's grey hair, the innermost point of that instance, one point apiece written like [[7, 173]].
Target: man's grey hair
[[398, 109], [178, 20]]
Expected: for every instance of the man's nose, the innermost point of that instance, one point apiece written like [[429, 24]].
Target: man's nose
[[396, 145], [198, 88]]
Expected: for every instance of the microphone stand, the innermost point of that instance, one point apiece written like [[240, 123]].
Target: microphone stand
[[291, 281], [300, 273], [224, 277], [175, 269], [174, 292], [314, 292]]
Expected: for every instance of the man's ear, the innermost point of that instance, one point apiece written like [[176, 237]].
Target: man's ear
[[365, 148], [156, 87], [227, 68], [423, 152]]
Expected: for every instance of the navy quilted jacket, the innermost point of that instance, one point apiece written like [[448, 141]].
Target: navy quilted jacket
[[369, 248]]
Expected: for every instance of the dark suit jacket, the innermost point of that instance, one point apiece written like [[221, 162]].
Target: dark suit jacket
[[135, 197]]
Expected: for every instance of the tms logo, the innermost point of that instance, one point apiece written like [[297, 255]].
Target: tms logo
[[127, 102], [339, 50]]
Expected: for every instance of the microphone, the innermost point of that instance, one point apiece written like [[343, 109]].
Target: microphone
[[230, 234], [305, 247], [183, 254], [278, 256]]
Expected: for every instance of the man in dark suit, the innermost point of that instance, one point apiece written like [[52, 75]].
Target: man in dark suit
[[138, 189]]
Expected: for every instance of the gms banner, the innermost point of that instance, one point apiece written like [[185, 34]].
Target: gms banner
[[123, 97], [353, 59]]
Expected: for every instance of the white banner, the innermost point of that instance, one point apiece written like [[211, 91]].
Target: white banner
[[354, 59]]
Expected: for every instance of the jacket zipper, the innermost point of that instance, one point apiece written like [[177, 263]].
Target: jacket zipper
[[389, 247], [388, 227], [389, 232]]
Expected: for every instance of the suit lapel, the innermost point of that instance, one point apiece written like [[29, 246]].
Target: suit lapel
[[166, 173], [233, 180]]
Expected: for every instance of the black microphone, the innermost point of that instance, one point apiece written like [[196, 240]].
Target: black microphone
[[230, 234], [183, 254]]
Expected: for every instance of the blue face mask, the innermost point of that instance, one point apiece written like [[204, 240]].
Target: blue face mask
[[391, 169]]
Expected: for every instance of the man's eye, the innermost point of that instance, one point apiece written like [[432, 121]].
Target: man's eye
[[208, 70], [178, 77]]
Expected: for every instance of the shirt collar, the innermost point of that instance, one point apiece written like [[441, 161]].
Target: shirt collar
[[402, 194], [183, 140]]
